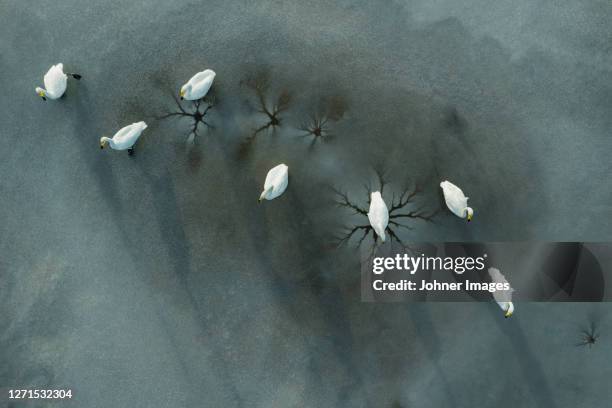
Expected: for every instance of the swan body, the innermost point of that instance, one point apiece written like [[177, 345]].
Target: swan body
[[378, 215], [502, 297], [276, 182], [125, 138], [456, 201], [198, 86], [55, 83]]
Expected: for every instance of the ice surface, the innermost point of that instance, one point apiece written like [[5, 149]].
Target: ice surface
[[157, 280]]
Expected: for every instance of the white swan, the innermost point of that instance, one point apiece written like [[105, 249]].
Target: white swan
[[378, 214], [125, 138], [456, 201], [276, 182], [502, 297], [198, 86], [55, 83]]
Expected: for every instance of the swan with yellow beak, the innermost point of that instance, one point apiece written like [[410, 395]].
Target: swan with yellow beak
[[502, 297], [276, 182], [55, 82], [198, 86], [125, 138], [378, 214], [456, 201]]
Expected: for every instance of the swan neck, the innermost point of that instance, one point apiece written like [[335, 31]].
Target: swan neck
[[110, 141], [266, 192]]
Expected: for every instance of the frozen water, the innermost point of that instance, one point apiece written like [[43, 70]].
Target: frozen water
[[157, 280]]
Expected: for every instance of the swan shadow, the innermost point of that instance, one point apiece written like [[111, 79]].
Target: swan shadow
[[103, 174], [421, 318], [99, 168], [332, 309], [533, 374], [172, 233], [106, 181]]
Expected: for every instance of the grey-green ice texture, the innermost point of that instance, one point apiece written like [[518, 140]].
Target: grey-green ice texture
[[158, 281]]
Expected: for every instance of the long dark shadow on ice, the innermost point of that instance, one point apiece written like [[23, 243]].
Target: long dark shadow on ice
[[176, 240], [173, 234], [533, 374], [421, 318], [332, 309], [102, 171]]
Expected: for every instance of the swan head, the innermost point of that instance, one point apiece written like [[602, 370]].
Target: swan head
[[509, 311], [184, 90], [470, 214], [103, 142], [263, 195], [41, 92]]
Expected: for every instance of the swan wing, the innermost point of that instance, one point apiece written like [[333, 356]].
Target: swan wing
[[201, 83], [122, 133], [454, 197], [55, 80], [277, 179], [200, 76], [500, 296], [128, 135], [378, 214]]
